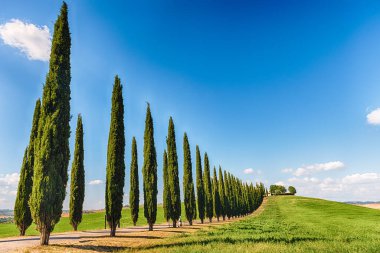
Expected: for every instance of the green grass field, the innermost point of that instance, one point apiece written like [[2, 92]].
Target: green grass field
[[289, 224], [90, 221]]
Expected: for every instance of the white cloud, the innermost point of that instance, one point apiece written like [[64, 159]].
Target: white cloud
[[373, 117], [355, 187], [248, 171], [280, 183], [95, 182], [30, 39], [8, 189], [310, 169], [287, 170]]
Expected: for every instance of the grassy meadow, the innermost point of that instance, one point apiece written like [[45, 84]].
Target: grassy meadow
[[288, 224], [90, 221]]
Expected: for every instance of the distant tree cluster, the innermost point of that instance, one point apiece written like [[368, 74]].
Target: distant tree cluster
[[281, 190], [44, 171]]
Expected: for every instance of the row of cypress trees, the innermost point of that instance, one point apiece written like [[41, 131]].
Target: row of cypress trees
[[43, 177]]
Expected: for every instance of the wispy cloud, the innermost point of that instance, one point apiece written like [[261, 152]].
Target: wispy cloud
[[373, 117], [8, 189], [95, 182], [313, 168], [30, 39], [248, 171]]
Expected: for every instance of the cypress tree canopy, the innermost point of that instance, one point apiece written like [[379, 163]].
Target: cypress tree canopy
[[188, 183], [77, 178], [208, 190], [115, 159], [22, 215], [134, 193], [166, 194], [52, 144], [222, 194], [175, 210], [150, 172], [200, 185], [216, 196]]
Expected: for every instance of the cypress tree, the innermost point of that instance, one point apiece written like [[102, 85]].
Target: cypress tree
[[150, 172], [166, 195], [208, 189], [188, 183], [216, 196], [77, 178], [222, 194], [52, 151], [115, 159], [22, 216], [227, 197], [175, 208], [134, 193], [200, 186]]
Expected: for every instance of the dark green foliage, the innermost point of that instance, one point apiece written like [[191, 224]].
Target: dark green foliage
[[292, 190], [277, 189], [200, 185], [52, 152], [188, 183], [22, 215], [216, 196], [150, 172], [227, 198], [115, 159], [77, 178], [208, 190], [173, 179], [134, 193], [222, 195], [166, 194]]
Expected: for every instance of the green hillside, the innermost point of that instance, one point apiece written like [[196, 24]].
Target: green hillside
[[289, 224]]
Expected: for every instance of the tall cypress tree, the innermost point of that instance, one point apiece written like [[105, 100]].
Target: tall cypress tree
[[52, 151], [166, 195], [175, 209], [22, 216], [188, 183], [115, 159], [134, 193], [222, 194], [150, 172], [208, 190], [227, 196], [77, 178], [216, 196], [200, 185]]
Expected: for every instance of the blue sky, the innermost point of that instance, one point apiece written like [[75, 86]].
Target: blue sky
[[274, 92]]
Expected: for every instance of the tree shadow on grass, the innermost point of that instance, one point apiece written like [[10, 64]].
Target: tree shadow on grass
[[229, 240], [98, 248]]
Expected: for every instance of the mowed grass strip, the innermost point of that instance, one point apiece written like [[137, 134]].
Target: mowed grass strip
[[288, 224]]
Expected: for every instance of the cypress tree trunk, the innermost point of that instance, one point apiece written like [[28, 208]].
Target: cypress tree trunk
[[150, 172], [208, 189], [134, 193], [188, 184], [77, 178], [175, 209], [52, 151], [115, 159], [200, 186], [166, 194], [22, 215]]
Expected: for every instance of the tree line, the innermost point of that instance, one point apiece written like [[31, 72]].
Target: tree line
[[44, 170]]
